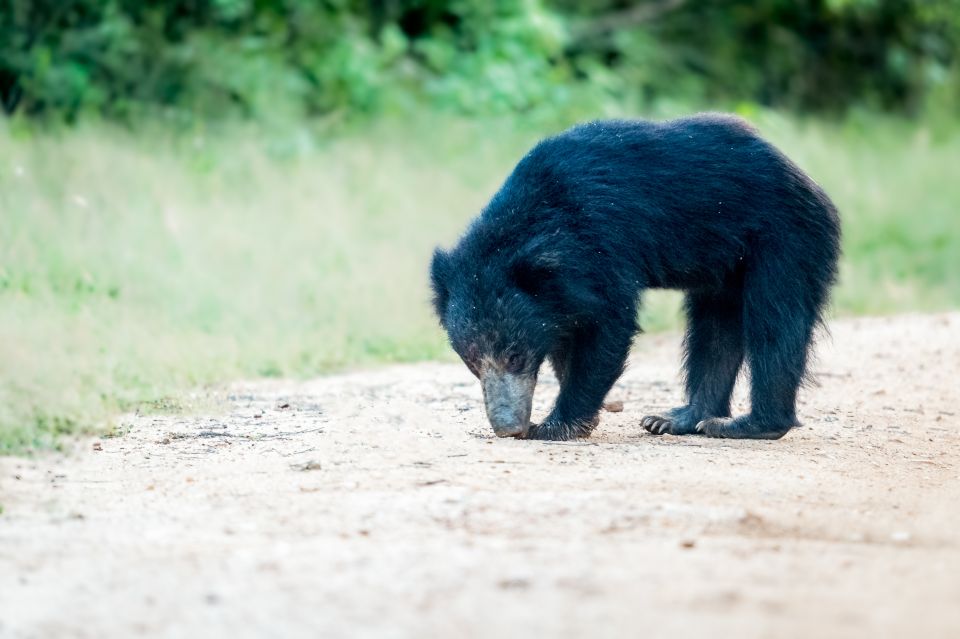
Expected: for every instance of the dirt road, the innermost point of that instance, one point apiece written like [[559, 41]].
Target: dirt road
[[380, 504]]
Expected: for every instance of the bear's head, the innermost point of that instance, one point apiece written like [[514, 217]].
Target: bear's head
[[504, 311]]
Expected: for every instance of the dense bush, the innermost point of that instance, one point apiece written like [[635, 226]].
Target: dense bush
[[254, 57]]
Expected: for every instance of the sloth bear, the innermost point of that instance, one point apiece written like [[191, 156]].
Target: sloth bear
[[554, 266]]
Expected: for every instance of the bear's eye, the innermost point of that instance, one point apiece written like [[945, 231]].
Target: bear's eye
[[515, 363]]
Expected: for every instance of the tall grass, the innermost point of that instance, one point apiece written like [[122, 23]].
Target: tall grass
[[136, 266]]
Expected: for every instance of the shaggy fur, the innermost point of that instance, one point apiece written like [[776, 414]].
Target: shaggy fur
[[554, 266]]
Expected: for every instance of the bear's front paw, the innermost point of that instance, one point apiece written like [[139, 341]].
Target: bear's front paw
[[547, 432], [562, 431]]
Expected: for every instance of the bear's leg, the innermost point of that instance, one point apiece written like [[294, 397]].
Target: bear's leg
[[781, 309], [560, 361], [594, 360], [713, 353]]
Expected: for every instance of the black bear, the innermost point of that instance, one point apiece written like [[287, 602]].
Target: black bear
[[554, 266]]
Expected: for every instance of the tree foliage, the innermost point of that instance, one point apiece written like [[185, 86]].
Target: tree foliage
[[115, 57]]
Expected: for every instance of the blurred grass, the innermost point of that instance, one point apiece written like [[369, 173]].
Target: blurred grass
[[134, 267]]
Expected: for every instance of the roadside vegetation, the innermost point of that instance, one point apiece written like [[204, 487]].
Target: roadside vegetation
[[137, 267]]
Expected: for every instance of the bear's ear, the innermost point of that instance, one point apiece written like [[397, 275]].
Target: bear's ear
[[533, 275], [563, 287], [439, 277]]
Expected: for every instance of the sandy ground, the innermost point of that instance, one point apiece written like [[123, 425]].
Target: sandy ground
[[379, 504]]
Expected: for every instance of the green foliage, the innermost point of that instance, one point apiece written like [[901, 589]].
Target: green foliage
[[353, 57]]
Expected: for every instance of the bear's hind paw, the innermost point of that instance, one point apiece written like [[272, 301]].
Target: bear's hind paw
[[739, 428], [677, 421]]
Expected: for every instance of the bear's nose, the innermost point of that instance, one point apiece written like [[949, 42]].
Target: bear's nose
[[506, 423]]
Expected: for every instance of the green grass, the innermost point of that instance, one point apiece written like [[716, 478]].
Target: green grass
[[137, 266]]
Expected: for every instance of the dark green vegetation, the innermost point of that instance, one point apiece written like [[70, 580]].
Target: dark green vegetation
[[193, 191], [348, 57]]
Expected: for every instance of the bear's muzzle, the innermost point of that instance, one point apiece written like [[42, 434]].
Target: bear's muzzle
[[508, 398]]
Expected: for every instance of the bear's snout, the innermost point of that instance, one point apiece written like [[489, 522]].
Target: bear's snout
[[508, 399]]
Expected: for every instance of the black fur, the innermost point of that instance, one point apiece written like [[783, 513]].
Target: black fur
[[554, 266]]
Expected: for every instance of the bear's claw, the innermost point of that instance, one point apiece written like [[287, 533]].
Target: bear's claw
[[657, 425]]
